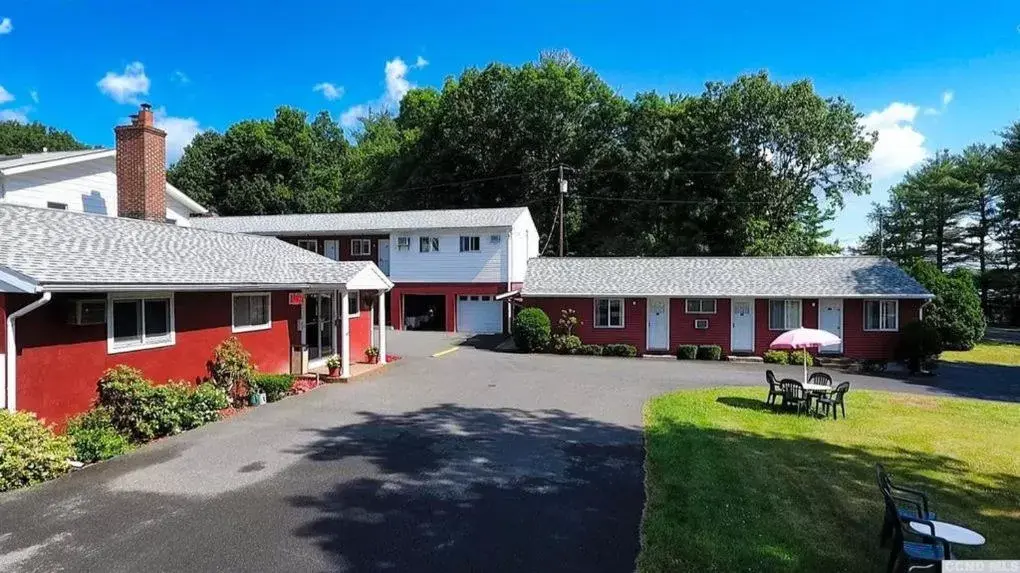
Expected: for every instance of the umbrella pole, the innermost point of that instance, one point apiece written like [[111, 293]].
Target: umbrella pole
[[805, 364]]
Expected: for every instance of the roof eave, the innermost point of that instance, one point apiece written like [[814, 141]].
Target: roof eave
[[181, 287], [181, 197], [46, 164], [525, 293]]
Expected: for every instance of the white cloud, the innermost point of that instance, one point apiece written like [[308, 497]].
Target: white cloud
[[329, 91], [34, 95], [180, 77], [179, 132], [421, 62], [947, 97], [6, 26], [5, 96], [397, 86], [19, 115], [899, 146], [126, 87]]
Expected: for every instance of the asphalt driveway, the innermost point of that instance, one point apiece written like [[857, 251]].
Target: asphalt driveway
[[473, 461]]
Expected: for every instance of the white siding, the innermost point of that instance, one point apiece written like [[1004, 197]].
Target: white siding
[[449, 265], [524, 237], [70, 184]]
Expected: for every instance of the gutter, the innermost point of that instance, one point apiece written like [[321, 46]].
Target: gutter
[[920, 311], [12, 349]]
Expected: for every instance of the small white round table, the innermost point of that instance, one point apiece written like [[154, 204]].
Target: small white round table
[[818, 388], [950, 532]]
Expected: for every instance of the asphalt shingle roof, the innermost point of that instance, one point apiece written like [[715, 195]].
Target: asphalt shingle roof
[[802, 277], [9, 161], [53, 247], [362, 222]]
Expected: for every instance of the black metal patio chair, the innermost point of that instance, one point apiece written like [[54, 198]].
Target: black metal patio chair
[[794, 395], [774, 389], [834, 399]]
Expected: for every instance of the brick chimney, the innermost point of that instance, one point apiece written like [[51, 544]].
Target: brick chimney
[[141, 168]]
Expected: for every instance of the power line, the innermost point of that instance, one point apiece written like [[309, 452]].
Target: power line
[[671, 201], [548, 238]]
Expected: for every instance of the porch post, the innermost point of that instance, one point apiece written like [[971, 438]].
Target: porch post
[[382, 327], [345, 335]]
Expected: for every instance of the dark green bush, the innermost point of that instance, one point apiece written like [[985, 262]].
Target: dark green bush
[[531, 330], [687, 352], [276, 386], [776, 357], [590, 350], [956, 310], [798, 357], [29, 451], [709, 352], [565, 344], [920, 343], [625, 350], [94, 437]]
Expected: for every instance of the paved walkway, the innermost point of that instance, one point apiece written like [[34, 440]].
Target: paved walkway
[[477, 461]]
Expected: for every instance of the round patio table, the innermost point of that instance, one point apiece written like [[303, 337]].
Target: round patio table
[[950, 532], [818, 388]]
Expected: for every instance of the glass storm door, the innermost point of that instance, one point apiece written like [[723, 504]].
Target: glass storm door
[[320, 329]]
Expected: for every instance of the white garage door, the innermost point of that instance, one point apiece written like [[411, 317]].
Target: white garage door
[[480, 314]]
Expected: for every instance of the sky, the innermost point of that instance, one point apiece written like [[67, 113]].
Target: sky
[[926, 75]]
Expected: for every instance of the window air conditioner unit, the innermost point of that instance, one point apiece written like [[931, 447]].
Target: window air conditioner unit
[[701, 324]]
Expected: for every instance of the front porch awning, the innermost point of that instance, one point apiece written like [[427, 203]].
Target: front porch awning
[[369, 278]]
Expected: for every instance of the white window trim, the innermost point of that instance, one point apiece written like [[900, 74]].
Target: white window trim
[[354, 295], [114, 348], [879, 302], [406, 246], [269, 313], [303, 243], [595, 312], [799, 302], [364, 247], [687, 308]]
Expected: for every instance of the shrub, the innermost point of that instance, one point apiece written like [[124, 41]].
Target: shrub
[[590, 350], [956, 310], [206, 402], [709, 352], [568, 321], [95, 438], [799, 357], [231, 366], [29, 451], [276, 386], [565, 344], [626, 350], [687, 352], [920, 343], [531, 330], [776, 357]]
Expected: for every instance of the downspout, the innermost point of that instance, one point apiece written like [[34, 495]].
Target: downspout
[[509, 278], [12, 349], [920, 311]]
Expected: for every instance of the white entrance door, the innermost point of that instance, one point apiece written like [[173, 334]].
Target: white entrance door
[[479, 314], [658, 323], [331, 249], [384, 256], [742, 332], [830, 318]]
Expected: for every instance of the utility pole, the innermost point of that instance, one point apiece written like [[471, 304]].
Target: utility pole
[[563, 193]]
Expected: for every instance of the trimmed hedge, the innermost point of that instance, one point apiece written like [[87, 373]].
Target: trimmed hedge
[[276, 386], [625, 350], [709, 352], [798, 357], [94, 437], [531, 330], [687, 352], [776, 357], [590, 350], [30, 452]]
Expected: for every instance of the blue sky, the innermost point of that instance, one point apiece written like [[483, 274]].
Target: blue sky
[[929, 75]]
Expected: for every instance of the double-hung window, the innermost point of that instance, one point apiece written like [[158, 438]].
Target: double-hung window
[[361, 247], [700, 306], [881, 315], [309, 245], [469, 244], [251, 311], [139, 321], [609, 313], [784, 314], [403, 243], [428, 244]]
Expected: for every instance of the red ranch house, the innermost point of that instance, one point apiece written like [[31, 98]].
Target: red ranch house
[[738, 303]]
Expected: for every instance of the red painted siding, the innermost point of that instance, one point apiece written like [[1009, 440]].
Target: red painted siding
[[361, 328], [345, 245], [763, 336], [59, 364], [859, 343], [681, 325], [450, 291], [633, 331]]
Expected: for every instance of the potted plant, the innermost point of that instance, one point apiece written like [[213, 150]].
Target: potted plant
[[333, 364], [372, 353]]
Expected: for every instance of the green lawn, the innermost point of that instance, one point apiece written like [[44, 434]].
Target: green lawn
[[733, 486], [987, 352]]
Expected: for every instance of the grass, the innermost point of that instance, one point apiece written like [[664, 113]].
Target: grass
[[988, 352], [732, 486]]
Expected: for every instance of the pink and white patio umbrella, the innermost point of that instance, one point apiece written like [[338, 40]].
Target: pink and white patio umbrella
[[804, 338]]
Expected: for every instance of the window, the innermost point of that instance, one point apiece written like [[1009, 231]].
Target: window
[[140, 321], [784, 314], [495, 239], [252, 312], [353, 303], [701, 306], [60, 206], [468, 244], [609, 313], [309, 245], [427, 244], [87, 312], [361, 247], [881, 315], [403, 243]]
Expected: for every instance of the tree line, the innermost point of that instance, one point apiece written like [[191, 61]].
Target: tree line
[[960, 211]]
